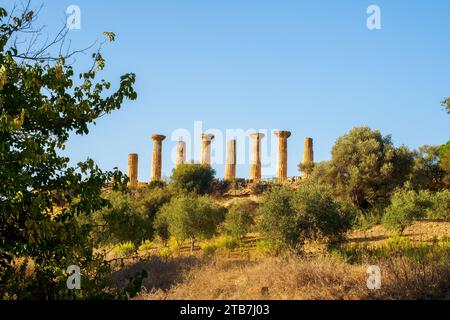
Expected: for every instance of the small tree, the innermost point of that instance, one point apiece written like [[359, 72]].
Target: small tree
[[405, 207], [309, 213], [190, 217], [239, 219], [277, 218], [192, 178], [123, 220]]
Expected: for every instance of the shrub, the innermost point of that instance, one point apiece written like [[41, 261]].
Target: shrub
[[277, 217], [208, 248], [165, 253], [406, 206], [123, 220], [191, 217], [192, 178], [269, 247], [368, 219], [309, 213], [153, 199], [147, 245], [239, 219], [439, 204], [218, 187], [124, 249], [226, 243]]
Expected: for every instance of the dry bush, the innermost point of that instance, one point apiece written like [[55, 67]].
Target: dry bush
[[420, 279]]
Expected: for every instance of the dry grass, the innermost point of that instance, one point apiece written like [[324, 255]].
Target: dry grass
[[243, 275], [296, 278]]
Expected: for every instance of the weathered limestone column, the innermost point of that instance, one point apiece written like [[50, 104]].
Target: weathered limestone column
[[181, 153], [255, 164], [308, 157], [133, 159], [282, 155], [206, 148], [230, 164], [157, 156]]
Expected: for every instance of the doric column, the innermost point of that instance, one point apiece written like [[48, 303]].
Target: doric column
[[282, 155], [132, 174], [255, 164], [308, 157], [230, 165], [206, 148], [157, 156], [181, 152]]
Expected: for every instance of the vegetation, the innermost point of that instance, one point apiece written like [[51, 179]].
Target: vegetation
[[409, 205], [190, 217], [365, 167], [406, 206], [444, 161], [124, 249], [40, 194], [53, 215], [192, 178], [427, 171], [124, 219], [309, 213], [240, 219]]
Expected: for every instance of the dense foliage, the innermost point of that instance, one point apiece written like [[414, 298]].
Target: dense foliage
[[308, 213], [192, 178], [409, 205], [190, 217], [40, 194], [240, 219], [365, 167]]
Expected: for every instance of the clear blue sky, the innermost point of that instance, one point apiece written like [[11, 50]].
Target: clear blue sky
[[311, 67]]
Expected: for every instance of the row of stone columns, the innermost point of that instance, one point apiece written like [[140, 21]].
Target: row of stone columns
[[230, 164]]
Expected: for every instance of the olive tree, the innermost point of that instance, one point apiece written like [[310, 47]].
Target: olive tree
[[190, 217], [365, 167]]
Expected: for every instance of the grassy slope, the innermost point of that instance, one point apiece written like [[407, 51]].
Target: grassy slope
[[244, 275]]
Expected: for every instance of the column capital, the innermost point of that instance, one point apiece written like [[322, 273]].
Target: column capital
[[257, 135], [158, 137], [282, 134], [207, 137]]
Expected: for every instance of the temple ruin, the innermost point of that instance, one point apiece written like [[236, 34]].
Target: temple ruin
[[230, 163]]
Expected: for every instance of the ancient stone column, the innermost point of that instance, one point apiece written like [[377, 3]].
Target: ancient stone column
[[230, 164], [133, 169], [308, 157], [206, 148], [255, 163], [282, 155], [181, 153], [157, 156]]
